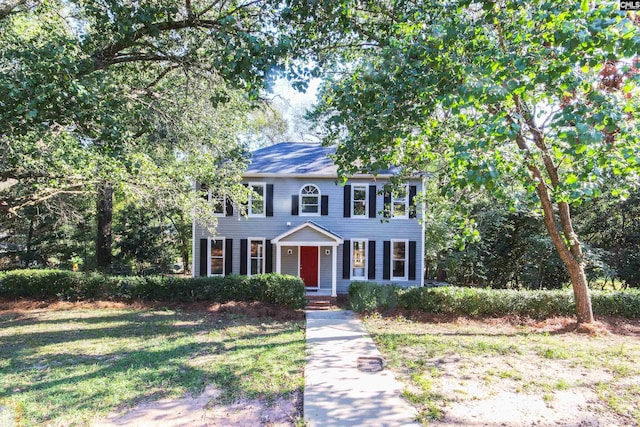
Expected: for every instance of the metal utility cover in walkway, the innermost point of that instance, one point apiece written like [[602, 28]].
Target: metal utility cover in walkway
[[336, 392]]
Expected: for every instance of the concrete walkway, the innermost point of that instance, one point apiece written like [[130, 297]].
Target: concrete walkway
[[336, 393]]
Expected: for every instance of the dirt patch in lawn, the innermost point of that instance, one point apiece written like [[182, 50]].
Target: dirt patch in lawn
[[515, 372], [204, 411]]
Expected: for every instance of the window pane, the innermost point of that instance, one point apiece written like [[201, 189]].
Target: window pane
[[257, 206], [310, 204], [399, 209], [216, 265], [255, 266], [358, 259], [359, 193], [256, 248], [310, 189], [398, 268], [216, 248], [218, 205], [398, 250]]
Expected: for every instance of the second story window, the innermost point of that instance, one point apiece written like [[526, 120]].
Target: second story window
[[400, 203], [309, 200], [256, 203], [218, 204], [359, 201]]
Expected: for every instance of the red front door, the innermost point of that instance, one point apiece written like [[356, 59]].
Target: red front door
[[309, 265]]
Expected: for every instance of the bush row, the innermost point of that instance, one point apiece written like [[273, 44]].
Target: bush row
[[365, 296], [67, 285]]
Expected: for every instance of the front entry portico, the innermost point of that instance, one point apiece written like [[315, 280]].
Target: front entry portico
[[311, 252]]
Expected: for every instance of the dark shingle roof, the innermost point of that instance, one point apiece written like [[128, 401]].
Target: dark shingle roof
[[296, 158], [293, 158]]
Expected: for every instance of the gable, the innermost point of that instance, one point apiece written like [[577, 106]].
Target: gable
[[307, 234]]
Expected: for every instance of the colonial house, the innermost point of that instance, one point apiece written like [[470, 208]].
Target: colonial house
[[302, 221]]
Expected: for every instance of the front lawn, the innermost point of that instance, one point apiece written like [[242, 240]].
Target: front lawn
[[70, 365], [494, 372]]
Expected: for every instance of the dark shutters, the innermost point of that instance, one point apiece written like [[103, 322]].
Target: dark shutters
[[228, 256], [372, 201], [371, 260], [243, 256], [204, 256], [347, 201], [346, 259], [386, 260], [412, 200], [412, 260], [324, 205], [294, 205], [268, 257], [229, 207], [269, 197], [387, 205]]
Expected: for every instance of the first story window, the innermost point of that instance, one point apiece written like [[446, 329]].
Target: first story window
[[400, 203], [399, 259], [256, 203], [359, 201], [216, 257], [358, 259], [256, 256]]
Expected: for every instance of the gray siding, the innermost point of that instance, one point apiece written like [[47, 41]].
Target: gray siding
[[289, 263], [378, 229]]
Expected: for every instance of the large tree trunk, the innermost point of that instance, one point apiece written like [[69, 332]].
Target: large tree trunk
[[571, 256], [104, 216]]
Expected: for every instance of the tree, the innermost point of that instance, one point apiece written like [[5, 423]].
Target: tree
[[516, 95], [129, 96]]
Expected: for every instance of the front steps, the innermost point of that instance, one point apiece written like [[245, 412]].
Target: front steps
[[320, 302]]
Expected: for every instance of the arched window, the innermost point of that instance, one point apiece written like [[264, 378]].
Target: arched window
[[309, 200]]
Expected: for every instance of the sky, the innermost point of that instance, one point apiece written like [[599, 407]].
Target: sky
[[293, 105]]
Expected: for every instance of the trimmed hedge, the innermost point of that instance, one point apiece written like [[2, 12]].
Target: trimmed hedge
[[490, 302], [67, 285]]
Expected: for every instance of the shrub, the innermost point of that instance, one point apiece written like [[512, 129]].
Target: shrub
[[367, 296], [490, 302], [66, 285]]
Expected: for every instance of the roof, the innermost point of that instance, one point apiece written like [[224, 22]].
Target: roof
[[295, 158], [312, 226]]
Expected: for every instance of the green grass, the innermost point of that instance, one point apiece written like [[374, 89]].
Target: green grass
[[508, 358], [67, 367]]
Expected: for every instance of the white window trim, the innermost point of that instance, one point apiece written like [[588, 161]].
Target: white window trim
[[366, 200], [300, 212], [224, 255], [264, 200], [406, 260], [406, 204], [264, 254], [366, 260]]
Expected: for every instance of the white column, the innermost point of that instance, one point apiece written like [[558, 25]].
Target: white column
[[334, 269], [278, 257]]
